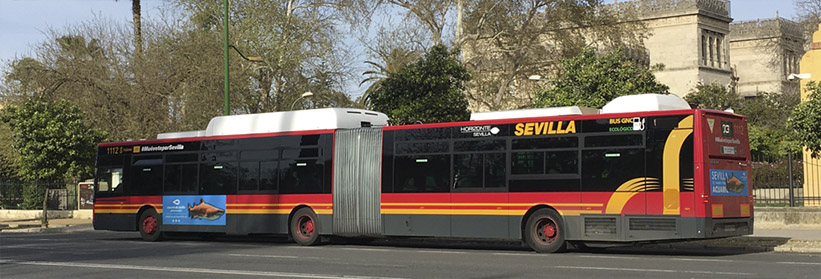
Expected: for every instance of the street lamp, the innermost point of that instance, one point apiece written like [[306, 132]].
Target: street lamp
[[793, 77], [304, 95]]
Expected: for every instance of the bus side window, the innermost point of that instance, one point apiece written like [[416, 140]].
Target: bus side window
[[109, 179], [422, 174]]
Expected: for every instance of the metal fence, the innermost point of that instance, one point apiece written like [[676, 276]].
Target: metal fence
[[786, 181], [61, 197]]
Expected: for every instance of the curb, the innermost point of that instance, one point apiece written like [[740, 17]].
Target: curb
[[64, 229], [750, 244]]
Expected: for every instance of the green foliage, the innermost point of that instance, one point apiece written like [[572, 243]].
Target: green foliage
[[767, 115], [713, 96], [806, 120], [7, 154], [776, 174], [429, 90], [771, 142], [33, 195], [53, 144], [591, 80], [506, 42]]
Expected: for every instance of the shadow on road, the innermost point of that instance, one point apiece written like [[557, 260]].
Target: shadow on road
[[714, 247]]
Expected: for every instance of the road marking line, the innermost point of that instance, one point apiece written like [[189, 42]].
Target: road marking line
[[441, 252], [186, 270], [677, 259], [27, 246], [366, 249], [806, 263], [302, 247], [653, 270], [262, 256], [519, 254]]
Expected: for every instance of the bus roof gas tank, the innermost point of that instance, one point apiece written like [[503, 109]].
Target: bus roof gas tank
[[527, 113], [286, 121], [289, 121], [645, 102]]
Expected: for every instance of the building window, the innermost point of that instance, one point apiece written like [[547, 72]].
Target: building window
[[784, 63], [712, 44], [712, 49], [703, 50], [718, 51]]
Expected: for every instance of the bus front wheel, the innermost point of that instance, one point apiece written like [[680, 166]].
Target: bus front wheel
[[304, 229], [149, 226], [544, 231]]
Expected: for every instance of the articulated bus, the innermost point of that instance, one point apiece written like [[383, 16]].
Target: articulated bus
[[643, 168]]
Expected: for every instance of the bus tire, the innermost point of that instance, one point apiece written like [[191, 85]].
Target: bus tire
[[303, 227], [544, 231], [149, 226]]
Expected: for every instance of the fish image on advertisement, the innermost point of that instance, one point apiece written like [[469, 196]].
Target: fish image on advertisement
[[734, 184], [204, 210]]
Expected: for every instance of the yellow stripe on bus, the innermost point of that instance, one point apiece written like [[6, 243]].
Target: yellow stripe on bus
[[273, 211], [670, 162], [495, 212], [490, 204], [280, 204], [125, 208], [128, 205], [116, 211]]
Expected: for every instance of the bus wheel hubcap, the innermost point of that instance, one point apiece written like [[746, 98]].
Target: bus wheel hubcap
[[546, 230], [306, 226], [150, 225]]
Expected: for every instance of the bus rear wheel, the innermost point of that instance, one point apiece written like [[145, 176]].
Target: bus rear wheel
[[149, 226], [544, 231], [304, 229]]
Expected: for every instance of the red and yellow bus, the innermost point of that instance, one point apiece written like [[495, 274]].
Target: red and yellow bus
[[544, 177]]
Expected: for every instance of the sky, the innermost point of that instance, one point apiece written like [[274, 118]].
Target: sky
[[24, 23]]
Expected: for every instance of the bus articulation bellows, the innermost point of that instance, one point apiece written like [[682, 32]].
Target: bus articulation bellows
[[644, 168]]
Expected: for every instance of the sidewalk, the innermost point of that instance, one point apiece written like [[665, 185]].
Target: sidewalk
[[54, 225], [766, 237]]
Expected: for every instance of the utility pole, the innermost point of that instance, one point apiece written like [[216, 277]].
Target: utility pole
[[226, 108]]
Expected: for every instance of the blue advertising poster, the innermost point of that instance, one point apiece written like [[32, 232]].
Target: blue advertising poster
[[728, 183], [193, 210]]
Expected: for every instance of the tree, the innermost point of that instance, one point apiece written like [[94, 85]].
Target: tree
[[391, 51], [505, 42], [429, 90], [53, 143], [809, 16], [592, 81], [432, 14], [138, 30], [806, 120], [713, 96], [767, 115], [7, 154], [91, 68], [294, 38]]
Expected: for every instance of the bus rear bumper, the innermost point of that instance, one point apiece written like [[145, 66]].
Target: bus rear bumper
[[726, 227]]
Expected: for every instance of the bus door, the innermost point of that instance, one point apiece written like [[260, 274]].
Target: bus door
[[727, 192]]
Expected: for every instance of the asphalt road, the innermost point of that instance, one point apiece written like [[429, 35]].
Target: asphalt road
[[123, 255]]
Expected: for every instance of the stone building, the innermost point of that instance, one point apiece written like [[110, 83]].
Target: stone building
[[764, 53], [697, 42], [689, 37]]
